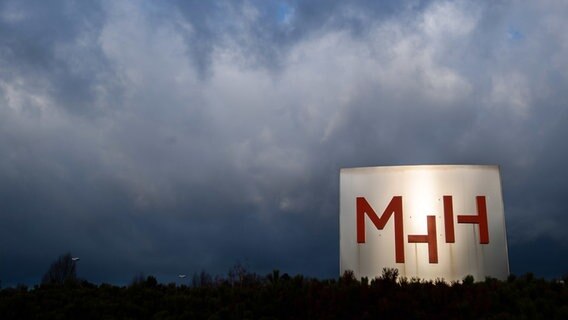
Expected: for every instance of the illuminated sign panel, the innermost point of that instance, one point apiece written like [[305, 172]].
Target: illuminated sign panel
[[441, 221]]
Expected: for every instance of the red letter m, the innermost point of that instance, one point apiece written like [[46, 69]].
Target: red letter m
[[395, 206]]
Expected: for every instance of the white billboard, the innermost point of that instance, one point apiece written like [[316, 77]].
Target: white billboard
[[427, 221]]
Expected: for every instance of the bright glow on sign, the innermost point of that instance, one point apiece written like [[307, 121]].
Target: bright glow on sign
[[442, 221]]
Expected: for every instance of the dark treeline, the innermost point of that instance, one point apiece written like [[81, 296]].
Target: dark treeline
[[244, 295]]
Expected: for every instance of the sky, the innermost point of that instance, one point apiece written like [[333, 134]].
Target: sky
[[178, 136]]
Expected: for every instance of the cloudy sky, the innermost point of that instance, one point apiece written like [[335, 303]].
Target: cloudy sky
[[170, 137]]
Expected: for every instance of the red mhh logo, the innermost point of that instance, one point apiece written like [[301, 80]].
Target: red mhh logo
[[395, 207], [427, 221]]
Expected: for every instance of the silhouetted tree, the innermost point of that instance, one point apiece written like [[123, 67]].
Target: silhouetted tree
[[62, 270], [468, 280], [390, 274], [237, 274], [273, 277], [202, 279], [151, 281], [138, 279]]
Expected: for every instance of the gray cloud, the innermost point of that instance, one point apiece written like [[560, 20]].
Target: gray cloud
[[167, 138]]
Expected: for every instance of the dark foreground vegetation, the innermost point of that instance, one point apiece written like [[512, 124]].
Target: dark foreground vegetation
[[244, 295]]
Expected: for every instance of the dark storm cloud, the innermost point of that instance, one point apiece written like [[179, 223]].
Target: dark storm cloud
[[266, 30], [51, 48], [173, 137]]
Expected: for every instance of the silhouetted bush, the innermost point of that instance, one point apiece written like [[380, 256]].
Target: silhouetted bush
[[245, 295], [61, 271]]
